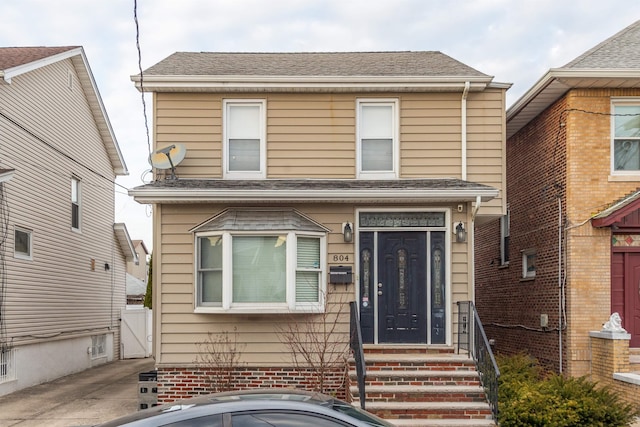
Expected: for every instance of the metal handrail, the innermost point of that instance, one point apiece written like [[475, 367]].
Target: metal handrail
[[471, 337], [355, 342]]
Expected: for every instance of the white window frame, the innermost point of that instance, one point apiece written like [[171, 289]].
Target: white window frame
[[76, 187], [262, 173], [526, 253], [98, 346], [621, 102], [23, 255], [395, 162], [290, 305]]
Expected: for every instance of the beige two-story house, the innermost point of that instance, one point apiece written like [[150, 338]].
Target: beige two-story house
[[305, 181]]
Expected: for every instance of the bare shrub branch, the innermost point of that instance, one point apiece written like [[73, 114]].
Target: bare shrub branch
[[218, 356]]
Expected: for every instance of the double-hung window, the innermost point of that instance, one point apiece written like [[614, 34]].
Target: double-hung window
[[75, 203], [377, 139], [625, 149], [244, 139], [245, 266], [505, 226]]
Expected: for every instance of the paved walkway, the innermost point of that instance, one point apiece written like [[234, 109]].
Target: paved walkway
[[83, 399]]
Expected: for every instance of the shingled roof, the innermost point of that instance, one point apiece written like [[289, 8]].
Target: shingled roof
[[11, 57], [620, 51], [428, 63], [311, 71], [614, 63]]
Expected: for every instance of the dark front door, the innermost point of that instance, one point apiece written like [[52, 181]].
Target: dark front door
[[402, 287]]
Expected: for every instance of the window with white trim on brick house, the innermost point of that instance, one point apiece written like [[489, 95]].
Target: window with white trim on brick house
[[625, 147]]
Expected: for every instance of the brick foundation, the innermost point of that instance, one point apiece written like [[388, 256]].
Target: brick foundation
[[181, 383]]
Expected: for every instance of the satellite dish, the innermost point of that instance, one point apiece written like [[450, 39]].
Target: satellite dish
[[168, 158]]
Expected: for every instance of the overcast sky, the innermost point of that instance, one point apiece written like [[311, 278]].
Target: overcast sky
[[516, 41]]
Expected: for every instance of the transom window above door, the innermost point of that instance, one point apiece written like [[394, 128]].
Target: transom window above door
[[377, 139], [625, 148], [244, 139]]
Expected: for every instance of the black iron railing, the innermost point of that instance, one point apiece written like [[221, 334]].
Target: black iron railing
[[471, 337], [355, 342]]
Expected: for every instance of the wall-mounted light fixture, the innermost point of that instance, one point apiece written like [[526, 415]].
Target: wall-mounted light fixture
[[107, 267], [461, 233], [347, 232]]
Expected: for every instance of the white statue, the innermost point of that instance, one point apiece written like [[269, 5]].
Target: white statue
[[614, 324]]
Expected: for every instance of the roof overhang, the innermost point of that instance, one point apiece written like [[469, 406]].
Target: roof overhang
[[122, 235], [6, 174], [617, 211], [556, 82], [195, 83], [336, 191]]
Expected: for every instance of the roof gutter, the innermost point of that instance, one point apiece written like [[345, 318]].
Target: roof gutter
[[145, 196]]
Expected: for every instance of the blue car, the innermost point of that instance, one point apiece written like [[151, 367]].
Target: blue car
[[254, 408]]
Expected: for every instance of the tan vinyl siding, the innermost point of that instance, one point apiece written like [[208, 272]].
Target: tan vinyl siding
[[180, 328], [56, 295], [314, 135]]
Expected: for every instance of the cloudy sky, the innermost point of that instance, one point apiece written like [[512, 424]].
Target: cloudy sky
[[514, 40]]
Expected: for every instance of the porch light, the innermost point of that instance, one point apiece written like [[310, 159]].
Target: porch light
[[347, 232], [461, 233]]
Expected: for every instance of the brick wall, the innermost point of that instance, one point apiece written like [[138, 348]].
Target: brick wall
[[510, 306], [564, 154], [181, 383]]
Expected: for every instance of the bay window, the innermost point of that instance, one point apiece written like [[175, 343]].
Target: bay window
[[244, 270]]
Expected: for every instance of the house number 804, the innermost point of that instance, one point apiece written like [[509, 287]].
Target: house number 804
[[340, 258]]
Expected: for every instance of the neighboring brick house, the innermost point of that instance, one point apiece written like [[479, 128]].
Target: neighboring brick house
[[299, 169], [567, 254]]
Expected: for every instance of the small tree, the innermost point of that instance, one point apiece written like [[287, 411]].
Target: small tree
[[218, 356], [316, 345], [148, 296]]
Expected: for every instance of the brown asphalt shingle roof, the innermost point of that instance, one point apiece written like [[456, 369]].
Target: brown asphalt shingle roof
[[14, 56], [327, 64]]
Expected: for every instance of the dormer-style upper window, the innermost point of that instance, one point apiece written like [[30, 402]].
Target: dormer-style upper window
[[244, 139], [377, 139]]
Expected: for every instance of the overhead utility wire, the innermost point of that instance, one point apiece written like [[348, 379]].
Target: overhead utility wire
[[59, 151], [144, 104]]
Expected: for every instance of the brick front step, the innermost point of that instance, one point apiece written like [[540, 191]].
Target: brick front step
[[423, 389], [428, 393], [430, 410], [420, 377], [443, 423]]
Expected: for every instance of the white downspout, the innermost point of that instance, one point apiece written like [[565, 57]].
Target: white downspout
[[463, 125], [472, 252]]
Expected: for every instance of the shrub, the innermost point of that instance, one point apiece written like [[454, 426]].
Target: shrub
[[529, 397]]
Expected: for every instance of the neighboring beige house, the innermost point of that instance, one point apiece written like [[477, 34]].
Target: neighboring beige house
[[311, 180], [139, 268], [63, 274]]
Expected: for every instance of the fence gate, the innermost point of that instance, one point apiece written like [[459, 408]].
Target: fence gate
[[136, 333]]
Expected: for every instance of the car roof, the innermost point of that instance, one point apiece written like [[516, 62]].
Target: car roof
[[238, 401]]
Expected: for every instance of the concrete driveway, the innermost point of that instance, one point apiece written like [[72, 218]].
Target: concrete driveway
[[83, 399]]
